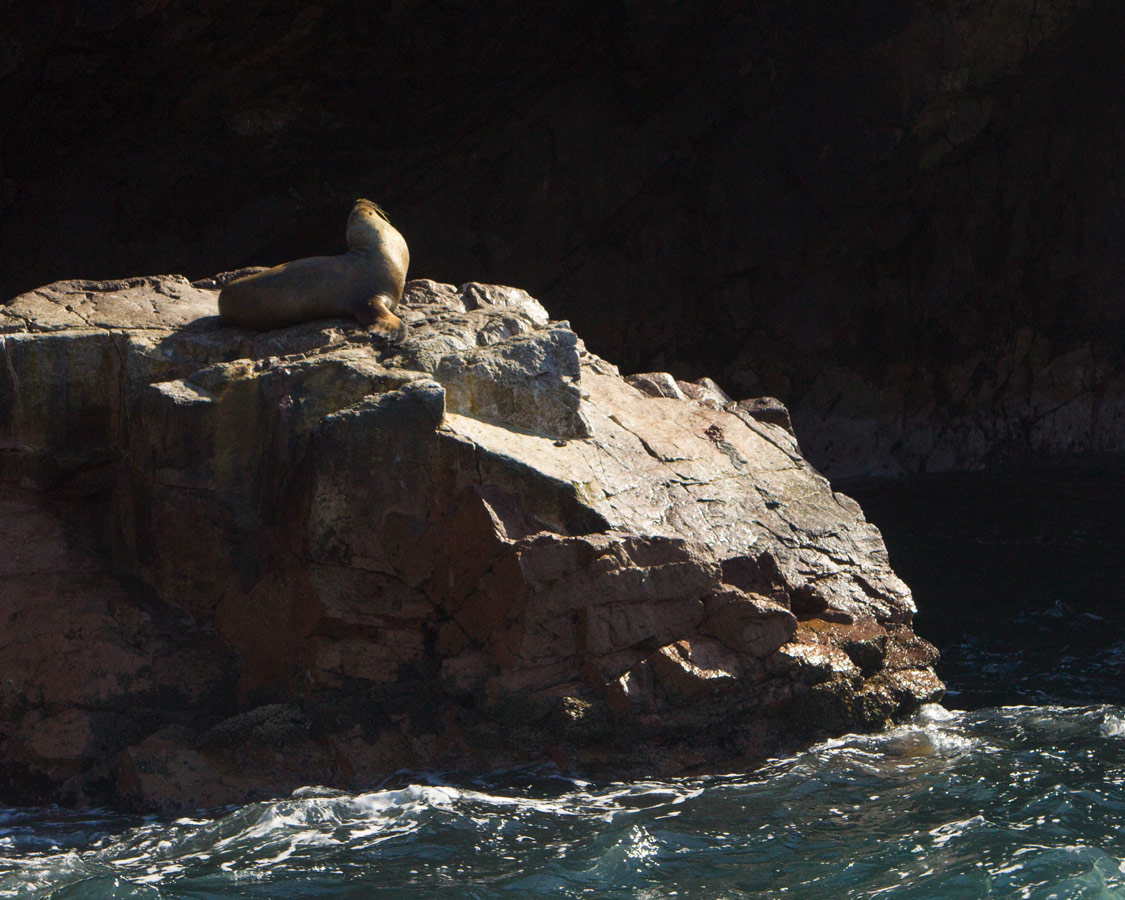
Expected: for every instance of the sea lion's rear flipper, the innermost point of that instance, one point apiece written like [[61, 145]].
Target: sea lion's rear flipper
[[375, 316]]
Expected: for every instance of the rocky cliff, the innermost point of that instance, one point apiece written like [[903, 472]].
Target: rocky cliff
[[238, 563], [903, 219]]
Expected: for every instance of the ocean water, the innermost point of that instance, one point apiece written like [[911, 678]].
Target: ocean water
[[1015, 788], [1015, 802]]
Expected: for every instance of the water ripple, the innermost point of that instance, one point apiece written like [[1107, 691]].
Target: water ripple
[[1024, 802]]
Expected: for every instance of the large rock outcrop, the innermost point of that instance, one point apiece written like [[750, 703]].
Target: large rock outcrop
[[238, 563]]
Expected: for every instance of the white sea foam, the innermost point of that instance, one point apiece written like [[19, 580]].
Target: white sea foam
[[934, 712], [1113, 725]]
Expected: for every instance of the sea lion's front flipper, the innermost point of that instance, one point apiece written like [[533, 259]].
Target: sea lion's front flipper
[[375, 316]]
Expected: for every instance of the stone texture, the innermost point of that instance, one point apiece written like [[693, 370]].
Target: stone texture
[[309, 556], [656, 384], [766, 409]]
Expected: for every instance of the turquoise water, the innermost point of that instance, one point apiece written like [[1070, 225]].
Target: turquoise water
[[1016, 789]]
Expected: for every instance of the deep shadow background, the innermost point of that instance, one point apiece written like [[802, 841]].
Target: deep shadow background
[[1016, 575], [754, 191]]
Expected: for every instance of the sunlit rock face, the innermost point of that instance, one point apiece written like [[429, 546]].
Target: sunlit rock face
[[242, 562], [901, 219]]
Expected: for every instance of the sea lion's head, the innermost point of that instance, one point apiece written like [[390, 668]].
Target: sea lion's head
[[371, 205], [367, 219]]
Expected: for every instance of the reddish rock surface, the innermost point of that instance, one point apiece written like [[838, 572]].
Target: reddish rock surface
[[240, 563]]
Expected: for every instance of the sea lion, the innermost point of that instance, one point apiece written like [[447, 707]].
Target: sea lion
[[364, 284]]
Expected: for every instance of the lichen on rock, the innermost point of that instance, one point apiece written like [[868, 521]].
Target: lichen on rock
[[311, 556]]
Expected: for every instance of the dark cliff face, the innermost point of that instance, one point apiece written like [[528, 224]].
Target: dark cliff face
[[902, 219]]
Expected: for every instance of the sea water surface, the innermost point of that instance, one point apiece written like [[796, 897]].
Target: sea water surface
[[1016, 788]]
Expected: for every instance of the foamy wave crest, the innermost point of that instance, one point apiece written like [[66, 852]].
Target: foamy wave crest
[[1113, 725], [332, 828]]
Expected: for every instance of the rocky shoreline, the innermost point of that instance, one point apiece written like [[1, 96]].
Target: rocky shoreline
[[241, 563]]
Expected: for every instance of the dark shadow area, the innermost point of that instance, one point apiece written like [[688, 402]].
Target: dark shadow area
[[1018, 578]]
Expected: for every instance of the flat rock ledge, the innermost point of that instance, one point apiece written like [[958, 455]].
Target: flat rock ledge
[[241, 563]]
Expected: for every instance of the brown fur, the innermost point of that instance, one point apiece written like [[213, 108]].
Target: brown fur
[[364, 284]]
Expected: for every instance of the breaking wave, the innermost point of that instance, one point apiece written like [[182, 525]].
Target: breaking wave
[[1012, 802]]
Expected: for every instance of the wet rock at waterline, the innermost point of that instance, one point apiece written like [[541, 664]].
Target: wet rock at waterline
[[239, 563]]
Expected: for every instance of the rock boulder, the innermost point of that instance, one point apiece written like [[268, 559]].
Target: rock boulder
[[239, 563]]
